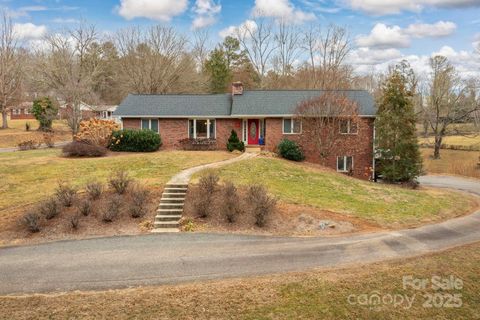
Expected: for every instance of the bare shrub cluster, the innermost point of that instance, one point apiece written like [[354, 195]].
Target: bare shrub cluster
[[206, 186], [120, 181]]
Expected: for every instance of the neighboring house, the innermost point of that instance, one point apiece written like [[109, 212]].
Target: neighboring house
[[261, 118], [22, 111], [89, 111]]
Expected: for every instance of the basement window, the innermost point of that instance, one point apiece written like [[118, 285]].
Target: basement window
[[150, 124], [201, 128], [344, 164]]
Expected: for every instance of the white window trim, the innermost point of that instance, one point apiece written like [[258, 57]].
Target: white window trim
[[344, 158], [150, 123], [245, 131], [349, 128], [208, 127], [291, 128]]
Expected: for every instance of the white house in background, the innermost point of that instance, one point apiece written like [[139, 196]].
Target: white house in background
[[104, 112]]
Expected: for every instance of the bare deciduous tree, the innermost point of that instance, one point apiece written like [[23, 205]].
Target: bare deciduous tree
[[63, 68], [257, 39], [287, 38], [200, 47], [154, 61], [327, 51], [11, 71], [322, 118], [451, 100]]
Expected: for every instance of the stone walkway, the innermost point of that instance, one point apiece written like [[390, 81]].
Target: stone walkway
[[169, 212], [185, 175]]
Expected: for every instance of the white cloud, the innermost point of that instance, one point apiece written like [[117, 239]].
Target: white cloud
[[162, 10], [383, 7], [281, 9], [367, 56], [232, 30], [206, 12], [439, 29], [29, 31], [383, 36]]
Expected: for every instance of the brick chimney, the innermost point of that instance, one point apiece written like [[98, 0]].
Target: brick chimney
[[237, 88]]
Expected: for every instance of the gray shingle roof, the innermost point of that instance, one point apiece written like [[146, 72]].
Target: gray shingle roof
[[254, 103], [175, 105], [281, 102]]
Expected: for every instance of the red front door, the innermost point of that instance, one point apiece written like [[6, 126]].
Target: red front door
[[253, 131]]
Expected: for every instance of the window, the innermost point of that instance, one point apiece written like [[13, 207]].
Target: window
[[292, 126], [26, 111], [348, 127], [344, 164], [201, 128], [16, 111], [151, 124]]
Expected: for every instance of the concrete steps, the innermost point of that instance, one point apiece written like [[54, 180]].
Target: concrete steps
[[253, 149], [170, 208]]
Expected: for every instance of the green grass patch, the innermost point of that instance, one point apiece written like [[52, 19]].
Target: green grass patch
[[30, 176], [382, 204]]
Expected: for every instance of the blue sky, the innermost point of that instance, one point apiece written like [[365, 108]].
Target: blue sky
[[382, 30]]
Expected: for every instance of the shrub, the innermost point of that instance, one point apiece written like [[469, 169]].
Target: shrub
[[31, 221], [27, 126], [48, 139], [49, 209], [82, 149], [85, 207], [261, 203], [234, 143], [44, 111], [74, 221], [230, 202], [65, 194], [112, 210], [135, 141], [139, 201], [206, 186], [96, 131], [290, 150], [94, 190], [28, 145], [120, 181]]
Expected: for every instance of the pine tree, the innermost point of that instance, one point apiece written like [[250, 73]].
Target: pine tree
[[400, 159], [217, 68]]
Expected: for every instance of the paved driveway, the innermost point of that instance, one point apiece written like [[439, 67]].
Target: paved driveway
[[172, 258]]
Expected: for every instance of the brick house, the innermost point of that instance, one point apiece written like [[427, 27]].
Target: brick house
[[22, 111], [261, 118]]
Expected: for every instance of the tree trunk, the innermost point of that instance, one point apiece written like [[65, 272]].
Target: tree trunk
[[438, 145], [425, 129], [4, 119]]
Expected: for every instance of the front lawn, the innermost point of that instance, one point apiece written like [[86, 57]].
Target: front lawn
[[307, 295], [30, 176], [324, 189]]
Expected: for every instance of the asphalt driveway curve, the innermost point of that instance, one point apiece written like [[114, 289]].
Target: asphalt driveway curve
[[119, 262]]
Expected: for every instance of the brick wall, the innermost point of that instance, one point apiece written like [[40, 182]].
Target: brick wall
[[131, 123], [172, 131], [359, 145], [224, 128]]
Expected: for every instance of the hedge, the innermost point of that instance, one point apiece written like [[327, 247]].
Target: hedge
[[135, 141]]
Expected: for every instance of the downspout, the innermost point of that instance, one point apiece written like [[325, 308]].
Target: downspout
[[374, 152]]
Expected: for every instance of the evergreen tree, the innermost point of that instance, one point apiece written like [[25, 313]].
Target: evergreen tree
[[234, 142], [217, 68], [400, 159], [44, 111]]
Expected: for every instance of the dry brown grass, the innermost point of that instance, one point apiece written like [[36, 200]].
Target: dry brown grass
[[456, 162], [308, 295], [16, 132]]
